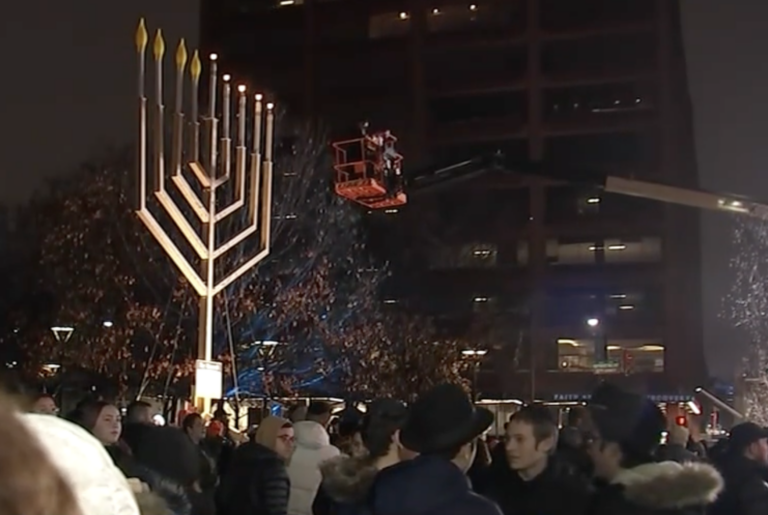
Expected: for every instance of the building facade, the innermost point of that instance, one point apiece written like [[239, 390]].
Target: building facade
[[563, 285]]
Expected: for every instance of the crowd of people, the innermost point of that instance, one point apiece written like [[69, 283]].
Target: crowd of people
[[432, 457]]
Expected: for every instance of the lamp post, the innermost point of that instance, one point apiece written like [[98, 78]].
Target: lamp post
[[265, 349], [209, 156], [600, 354], [476, 355], [62, 333]]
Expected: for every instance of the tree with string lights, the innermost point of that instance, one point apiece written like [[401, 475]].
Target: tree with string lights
[[135, 316], [748, 309]]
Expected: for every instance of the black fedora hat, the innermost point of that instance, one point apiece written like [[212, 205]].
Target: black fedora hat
[[443, 418]]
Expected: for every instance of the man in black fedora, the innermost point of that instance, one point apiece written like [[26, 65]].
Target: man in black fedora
[[442, 426], [624, 434]]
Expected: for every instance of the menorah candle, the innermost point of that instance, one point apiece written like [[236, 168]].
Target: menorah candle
[[212, 88], [225, 107], [269, 132], [181, 62], [194, 72], [257, 124], [241, 116], [159, 50]]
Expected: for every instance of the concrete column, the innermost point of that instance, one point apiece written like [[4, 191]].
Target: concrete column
[[310, 52], [418, 10], [537, 256], [684, 356], [537, 237], [535, 107]]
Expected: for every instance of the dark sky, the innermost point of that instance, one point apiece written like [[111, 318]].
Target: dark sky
[[68, 80], [68, 85], [726, 47]]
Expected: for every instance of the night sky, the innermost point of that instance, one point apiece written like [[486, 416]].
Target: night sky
[[68, 91]]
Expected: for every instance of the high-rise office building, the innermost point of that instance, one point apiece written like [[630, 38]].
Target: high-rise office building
[[574, 285]]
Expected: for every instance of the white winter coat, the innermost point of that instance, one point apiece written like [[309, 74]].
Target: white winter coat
[[313, 446]]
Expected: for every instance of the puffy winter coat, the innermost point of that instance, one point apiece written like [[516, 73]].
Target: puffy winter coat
[[256, 483], [313, 447]]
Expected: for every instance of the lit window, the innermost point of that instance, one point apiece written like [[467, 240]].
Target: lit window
[[641, 250], [389, 25], [622, 356]]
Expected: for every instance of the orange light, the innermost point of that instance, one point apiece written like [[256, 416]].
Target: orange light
[[681, 421]]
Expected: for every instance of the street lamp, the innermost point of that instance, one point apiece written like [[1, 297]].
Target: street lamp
[[476, 355], [107, 323], [265, 349], [593, 322], [62, 333]]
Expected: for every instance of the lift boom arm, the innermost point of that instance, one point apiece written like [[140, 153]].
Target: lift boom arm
[[443, 176]]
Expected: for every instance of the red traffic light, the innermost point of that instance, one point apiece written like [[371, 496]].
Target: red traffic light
[[681, 421]]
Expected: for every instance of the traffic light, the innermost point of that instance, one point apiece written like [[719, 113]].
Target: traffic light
[[681, 421]]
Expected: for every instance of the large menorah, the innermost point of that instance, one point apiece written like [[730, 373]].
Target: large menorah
[[211, 166]]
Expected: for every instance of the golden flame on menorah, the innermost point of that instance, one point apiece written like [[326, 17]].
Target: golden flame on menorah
[[212, 170]]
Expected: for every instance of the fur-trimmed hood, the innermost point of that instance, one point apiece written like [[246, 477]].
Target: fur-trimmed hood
[[151, 504], [347, 480], [669, 485]]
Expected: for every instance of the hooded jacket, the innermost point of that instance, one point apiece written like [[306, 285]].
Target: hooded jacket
[[313, 447], [665, 488], [346, 486]]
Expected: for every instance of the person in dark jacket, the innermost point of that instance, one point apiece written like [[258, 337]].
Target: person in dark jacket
[[744, 466], [168, 452], [570, 442], [533, 473], [625, 433], [256, 482], [194, 427], [347, 480], [442, 427], [675, 448]]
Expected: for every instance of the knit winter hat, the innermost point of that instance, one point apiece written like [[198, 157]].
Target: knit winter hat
[[99, 487]]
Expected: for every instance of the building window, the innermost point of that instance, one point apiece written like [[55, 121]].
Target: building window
[[641, 250], [564, 307], [483, 304], [611, 250], [587, 103], [389, 25], [566, 203], [511, 106], [628, 53], [622, 356], [476, 255], [473, 16]]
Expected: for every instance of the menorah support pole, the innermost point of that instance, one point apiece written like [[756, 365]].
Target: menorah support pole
[[207, 269]]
